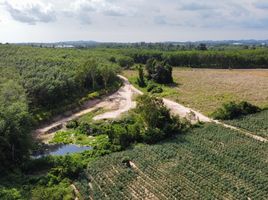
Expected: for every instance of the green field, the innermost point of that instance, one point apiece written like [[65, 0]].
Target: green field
[[256, 123], [209, 163]]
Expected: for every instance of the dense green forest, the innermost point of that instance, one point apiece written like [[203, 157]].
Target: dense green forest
[[37, 84]]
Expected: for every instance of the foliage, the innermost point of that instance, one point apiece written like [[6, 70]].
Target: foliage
[[233, 110], [160, 72], [15, 125], [210, 162], [202, 47], [10, 194], [157, 119], [256, 123], [62, 191], [141, 78], [125, 62], [54, 78], [235, 58], [153, 88], [72, 124], [108, 73]]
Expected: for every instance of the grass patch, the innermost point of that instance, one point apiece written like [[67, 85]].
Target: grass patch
[[71, 136], [207, 89], [89, 116]]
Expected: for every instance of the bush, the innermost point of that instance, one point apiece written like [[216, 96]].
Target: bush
[[72, 124], [234, 110], [153, 135], [140, 79], [93, 95], [112, 59], [151, 87], [157, 90], [125, 62], [85, 128], [10, 194], [56, 192], [160, 72]]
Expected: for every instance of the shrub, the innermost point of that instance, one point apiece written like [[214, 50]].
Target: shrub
[[125, 62], [10, 194], [56, 192], [85, 128], [72, 124], [234, 110], [140, 79], [153, 135], [157, 90], [151, 87], [93, 95], [160, 72], [112, 59]]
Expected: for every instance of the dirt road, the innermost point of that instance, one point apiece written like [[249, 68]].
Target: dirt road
[[118, 102], [121, 102], [124, 97]]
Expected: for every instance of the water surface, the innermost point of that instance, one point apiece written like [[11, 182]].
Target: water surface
[[61, 150]]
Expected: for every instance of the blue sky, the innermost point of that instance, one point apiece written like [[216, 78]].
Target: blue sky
[[132, 20]]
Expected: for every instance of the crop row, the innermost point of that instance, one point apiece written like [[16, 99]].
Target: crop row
[[209, 163]]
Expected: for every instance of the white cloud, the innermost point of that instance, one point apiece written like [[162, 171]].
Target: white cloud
[[132, 20], [30, 12]]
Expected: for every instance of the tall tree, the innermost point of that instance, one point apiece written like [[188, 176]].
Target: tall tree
[[15, 124], [107, 72], [140, 79], [89, 71]]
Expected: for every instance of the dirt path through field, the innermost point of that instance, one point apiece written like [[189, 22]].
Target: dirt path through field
[[194, 116], [121, 102]]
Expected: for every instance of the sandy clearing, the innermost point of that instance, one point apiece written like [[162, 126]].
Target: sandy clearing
[[124, 97], [121, 102], [46, 132]]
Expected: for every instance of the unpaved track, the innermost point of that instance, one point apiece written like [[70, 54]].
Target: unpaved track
[[245, 132], [124, 96], [121, 102]]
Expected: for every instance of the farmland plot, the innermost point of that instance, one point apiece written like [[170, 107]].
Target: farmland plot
[[211, 162], [256, 123]]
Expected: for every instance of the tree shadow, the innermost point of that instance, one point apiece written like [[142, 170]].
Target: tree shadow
[[173, 85]]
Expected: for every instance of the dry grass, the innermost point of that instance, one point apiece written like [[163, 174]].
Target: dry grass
[[207, 89]]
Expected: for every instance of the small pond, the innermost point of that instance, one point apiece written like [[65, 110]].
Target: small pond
[[60, 150]]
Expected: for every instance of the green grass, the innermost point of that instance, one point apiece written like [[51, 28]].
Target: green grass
[[210, 162], [256, 123], [89, 116], [71, 136]]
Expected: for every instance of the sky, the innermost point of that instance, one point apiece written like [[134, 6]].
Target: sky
[[132, 20]]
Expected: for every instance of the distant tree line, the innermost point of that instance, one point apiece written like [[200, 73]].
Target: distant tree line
[[246, 58]]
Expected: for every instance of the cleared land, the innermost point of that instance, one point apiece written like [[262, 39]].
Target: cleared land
[[206, 89], [211, 162]]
